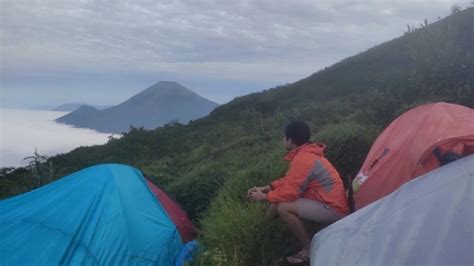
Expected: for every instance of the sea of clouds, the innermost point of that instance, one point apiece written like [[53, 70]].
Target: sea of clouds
[[22, 131]]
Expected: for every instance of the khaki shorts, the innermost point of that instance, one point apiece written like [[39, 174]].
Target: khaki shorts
[[316, 211]]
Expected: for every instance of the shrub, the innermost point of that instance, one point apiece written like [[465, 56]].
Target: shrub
[[347, 144]]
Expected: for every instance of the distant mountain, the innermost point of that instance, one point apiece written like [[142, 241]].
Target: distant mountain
[[69, 107], [157, 105]]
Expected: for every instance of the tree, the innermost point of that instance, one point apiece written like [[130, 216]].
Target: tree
[[40, 167]]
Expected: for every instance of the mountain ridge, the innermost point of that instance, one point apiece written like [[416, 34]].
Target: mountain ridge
[[155, 106], [345, 104], [69, 107]]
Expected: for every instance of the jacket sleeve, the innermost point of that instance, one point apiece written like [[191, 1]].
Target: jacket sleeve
[[277, 183], [292, 186]]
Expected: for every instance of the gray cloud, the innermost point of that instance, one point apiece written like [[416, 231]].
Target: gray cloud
[[267, 41]]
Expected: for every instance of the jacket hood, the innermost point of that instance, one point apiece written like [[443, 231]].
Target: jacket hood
[[315, 148]]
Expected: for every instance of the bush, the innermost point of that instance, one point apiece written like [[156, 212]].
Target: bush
[[195, 192], [347, 145]]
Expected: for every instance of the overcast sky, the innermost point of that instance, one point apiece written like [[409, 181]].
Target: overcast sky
[[102, 52]]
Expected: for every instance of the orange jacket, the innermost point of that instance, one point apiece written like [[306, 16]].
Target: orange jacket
[[310, 176]]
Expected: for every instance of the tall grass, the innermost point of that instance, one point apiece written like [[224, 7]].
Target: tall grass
[[235, 231]]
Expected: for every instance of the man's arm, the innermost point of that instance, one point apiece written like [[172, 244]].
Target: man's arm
[[295, 178], [277, 183]]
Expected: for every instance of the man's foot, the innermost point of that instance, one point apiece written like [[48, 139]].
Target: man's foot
[[299, 258]]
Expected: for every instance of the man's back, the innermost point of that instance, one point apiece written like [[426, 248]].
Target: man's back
[[310, 176]]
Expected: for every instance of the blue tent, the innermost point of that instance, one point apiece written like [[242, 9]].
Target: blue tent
[[102, 215]]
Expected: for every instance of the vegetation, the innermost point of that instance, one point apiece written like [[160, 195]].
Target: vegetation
[[210, 163], [41, 170]]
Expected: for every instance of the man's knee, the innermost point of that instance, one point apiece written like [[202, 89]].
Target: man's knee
[[285, 208]]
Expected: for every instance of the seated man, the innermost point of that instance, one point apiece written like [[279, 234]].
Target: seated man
[[311, 189]]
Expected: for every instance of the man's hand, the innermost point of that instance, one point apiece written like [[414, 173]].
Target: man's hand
[[251, 190], [257, 195], [264, 189]]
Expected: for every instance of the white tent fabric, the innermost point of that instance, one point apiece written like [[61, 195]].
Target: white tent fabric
[[427, 221]]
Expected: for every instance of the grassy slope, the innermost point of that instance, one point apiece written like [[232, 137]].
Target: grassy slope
[[238, 145]]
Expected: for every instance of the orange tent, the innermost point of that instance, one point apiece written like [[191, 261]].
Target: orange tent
[[417, 142]]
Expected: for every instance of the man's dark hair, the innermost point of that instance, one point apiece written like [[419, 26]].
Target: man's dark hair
[[298, 132]]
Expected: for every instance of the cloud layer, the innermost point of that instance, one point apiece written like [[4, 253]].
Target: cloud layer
[[23, 131], [265, 42]]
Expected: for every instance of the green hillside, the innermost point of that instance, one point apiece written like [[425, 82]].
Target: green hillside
[[210, 163]]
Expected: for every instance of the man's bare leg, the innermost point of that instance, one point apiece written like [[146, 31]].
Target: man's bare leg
[[288, 212], [272, 212]]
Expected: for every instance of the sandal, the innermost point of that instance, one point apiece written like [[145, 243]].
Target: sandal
[[298, 258]]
